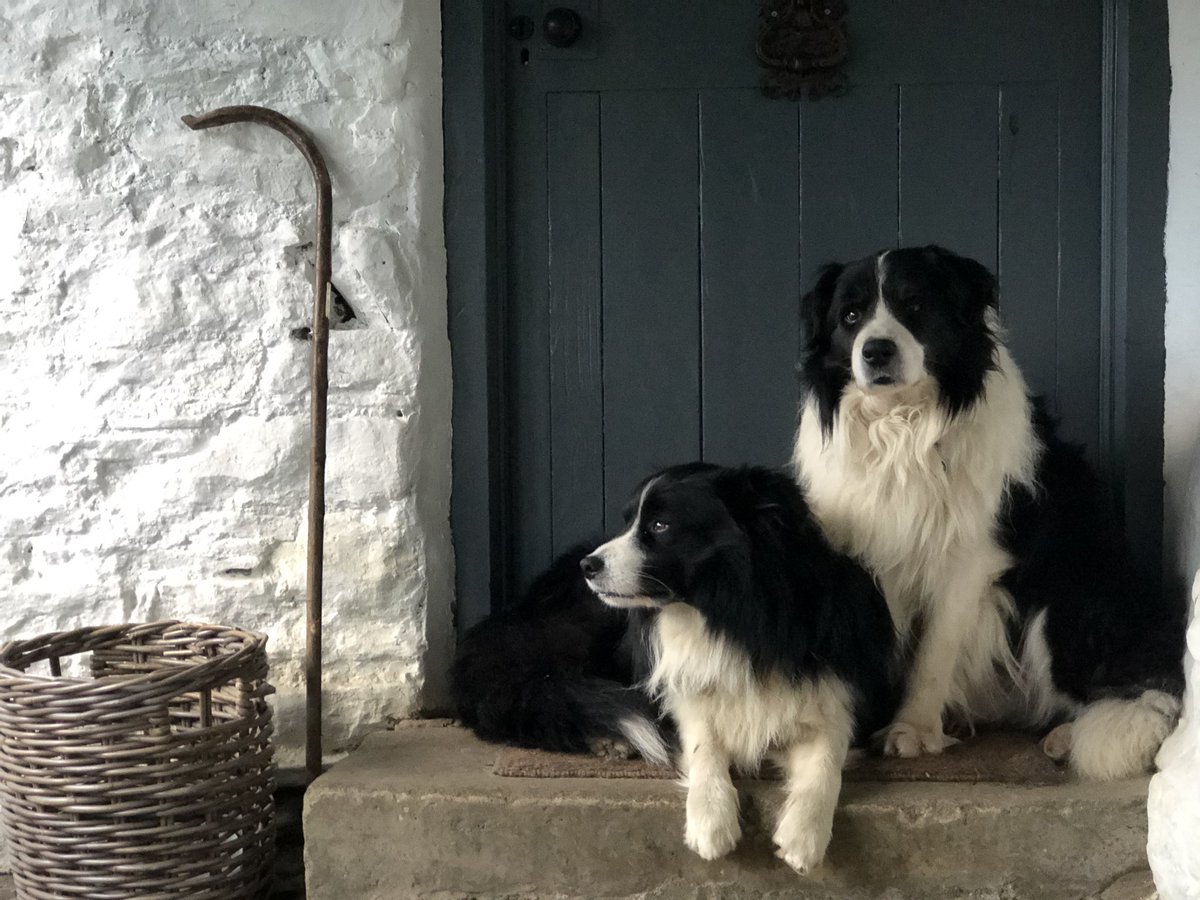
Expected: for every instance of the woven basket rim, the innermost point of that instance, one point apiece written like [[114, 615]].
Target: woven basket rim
[[190, 670], [152, 774]]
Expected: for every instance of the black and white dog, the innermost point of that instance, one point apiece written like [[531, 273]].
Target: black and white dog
[[765, 642], [922, 454], [560, 671], [760, 641]]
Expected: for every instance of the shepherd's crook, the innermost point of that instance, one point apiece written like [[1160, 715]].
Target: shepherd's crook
[[228, 115]]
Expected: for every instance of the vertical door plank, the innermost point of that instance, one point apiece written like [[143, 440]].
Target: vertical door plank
[[526, 422], [651, 287], [849, 177], [1029, 230], [749, 237], [1079, 173], [576, 400], [948, 168]]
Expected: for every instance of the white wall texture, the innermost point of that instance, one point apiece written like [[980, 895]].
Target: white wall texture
[[1175, 791], [153, 405]]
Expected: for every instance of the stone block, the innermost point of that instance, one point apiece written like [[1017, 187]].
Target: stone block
[[417, 813]]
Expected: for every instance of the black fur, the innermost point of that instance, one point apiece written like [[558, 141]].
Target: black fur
[[1112, 632], [555, 672]]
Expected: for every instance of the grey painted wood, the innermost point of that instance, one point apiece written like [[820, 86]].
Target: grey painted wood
[[651, 287], [669, 45], [749, 225], [527, 335], [1078, 365], [928, 53], [980, 43], [475, 295], [849, 177], [1028, 230], [1143, 86], [948, 168], [576, 395]]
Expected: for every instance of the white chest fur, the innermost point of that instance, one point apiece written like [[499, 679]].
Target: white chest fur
[[700, 676], [914, 494], [910, 490]]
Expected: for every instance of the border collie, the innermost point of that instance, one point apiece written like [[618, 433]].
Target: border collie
[[762, 642], [723, 602], [559, 671], [922, 455]]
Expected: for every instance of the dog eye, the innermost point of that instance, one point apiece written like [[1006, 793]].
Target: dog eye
[[852, 317], [658, 526]]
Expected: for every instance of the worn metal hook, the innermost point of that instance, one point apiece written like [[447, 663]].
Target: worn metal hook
[[229, 115]]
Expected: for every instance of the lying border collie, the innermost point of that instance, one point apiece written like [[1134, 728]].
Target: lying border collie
[[559, 671], [922, 454], [761, 641]]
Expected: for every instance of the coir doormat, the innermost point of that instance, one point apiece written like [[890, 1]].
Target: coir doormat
[[1002, 757]]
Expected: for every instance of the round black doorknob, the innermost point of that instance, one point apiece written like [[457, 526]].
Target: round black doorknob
[[562, 26]]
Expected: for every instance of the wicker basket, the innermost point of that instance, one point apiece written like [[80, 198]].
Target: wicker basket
[[153, 777]]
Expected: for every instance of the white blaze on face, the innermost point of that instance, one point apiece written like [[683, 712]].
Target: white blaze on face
[[908, 366], [619, 582]]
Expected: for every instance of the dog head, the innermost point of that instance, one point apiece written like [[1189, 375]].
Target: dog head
[[897, 320], [676, 525]]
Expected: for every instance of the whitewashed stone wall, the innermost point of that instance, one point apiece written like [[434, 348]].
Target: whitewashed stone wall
[[1174, 845], [153, 403]]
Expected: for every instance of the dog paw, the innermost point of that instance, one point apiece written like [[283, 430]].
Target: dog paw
[[801, 848], [711, 842], [1057, 744], [712, 828], [905, 740], [801, 861], [1114, 738], [611, 748]]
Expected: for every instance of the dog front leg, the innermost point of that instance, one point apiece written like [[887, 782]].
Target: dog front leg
[[712, 803], [954, 612], [814, 780]]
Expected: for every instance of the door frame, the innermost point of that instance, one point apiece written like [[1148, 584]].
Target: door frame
[[1135, 70]]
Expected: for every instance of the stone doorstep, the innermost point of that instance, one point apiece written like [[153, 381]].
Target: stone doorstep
[[418, 813]]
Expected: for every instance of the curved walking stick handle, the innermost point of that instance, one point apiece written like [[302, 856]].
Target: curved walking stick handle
[[261, 115]]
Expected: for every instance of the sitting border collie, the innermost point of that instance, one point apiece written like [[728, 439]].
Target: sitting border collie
[[760, 641], [922, 454]]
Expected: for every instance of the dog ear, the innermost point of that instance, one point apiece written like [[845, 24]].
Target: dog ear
[[722, 583], [978, 281], [730, 597], [814, 306], [736, 588]]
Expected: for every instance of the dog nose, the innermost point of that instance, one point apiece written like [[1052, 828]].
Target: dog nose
[[878, 352], [591, 565]]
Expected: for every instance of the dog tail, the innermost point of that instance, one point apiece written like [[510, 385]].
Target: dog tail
[[575, 715], [1114, 738]]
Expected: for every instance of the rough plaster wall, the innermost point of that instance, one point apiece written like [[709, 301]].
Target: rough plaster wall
[[153, 408], [1174, 796]]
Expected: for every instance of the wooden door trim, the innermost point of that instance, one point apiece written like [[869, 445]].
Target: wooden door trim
[[1135, 95], [1135, 145], [473, 36]]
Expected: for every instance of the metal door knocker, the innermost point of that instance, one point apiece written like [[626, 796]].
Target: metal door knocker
[[802, 46]]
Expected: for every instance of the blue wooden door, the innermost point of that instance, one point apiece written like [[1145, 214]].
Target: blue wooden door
[[663, 218]]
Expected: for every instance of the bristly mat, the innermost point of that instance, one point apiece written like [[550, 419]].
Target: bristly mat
[[1003, 757]]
